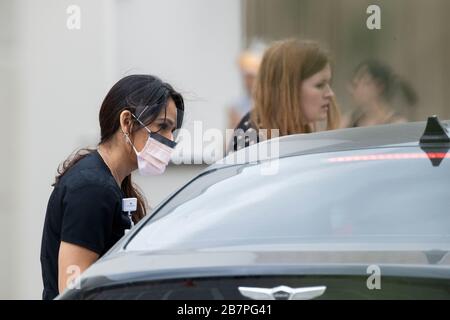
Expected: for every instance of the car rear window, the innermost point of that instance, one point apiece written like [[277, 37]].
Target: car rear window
[[388, 197]]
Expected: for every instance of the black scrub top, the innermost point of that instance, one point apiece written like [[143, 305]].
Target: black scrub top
[[85, 208]]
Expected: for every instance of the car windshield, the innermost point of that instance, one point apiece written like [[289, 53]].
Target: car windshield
[[379, 198]]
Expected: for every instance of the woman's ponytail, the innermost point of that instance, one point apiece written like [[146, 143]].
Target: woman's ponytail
[[70, 162]]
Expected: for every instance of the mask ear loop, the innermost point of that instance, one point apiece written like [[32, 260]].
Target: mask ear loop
[[140, 122], [140, 114], [129, 141]]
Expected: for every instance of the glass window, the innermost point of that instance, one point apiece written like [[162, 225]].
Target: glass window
[[372, 198]]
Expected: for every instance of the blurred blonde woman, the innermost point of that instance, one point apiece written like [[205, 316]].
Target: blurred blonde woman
[[249, 61], [292, 93]]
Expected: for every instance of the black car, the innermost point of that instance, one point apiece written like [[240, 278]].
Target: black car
[[359, 213]]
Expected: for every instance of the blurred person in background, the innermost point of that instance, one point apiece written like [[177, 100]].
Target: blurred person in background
[[292, 93], [378, 94], [84, 217], [249, 61]]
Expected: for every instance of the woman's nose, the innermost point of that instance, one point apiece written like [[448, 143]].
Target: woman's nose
[[329, 93], [168, 135]]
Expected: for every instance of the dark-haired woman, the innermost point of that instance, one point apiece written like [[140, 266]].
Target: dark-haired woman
[[84, 217], [374, 88]]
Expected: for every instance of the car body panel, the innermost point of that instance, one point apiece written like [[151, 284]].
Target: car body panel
[[123, 266]]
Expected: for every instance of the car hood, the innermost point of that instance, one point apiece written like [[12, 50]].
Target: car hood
[[153, 265]]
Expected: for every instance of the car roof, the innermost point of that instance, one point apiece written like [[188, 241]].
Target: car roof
[[364, 138], [385, 136], [382, 136]]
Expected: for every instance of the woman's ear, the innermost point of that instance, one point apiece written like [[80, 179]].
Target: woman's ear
[[126, 122]]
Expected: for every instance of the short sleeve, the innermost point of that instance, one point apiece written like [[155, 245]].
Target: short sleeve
[[88, 215]]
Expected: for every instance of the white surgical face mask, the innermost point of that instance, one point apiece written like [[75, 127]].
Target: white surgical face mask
[[155, 156]]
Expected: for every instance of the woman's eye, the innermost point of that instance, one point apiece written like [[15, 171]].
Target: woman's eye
[[163, 126], [320, 85]]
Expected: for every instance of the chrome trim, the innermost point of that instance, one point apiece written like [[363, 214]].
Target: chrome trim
[[306, 293]]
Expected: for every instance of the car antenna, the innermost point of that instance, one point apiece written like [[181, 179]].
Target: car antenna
[[435, 139], [435, 132]]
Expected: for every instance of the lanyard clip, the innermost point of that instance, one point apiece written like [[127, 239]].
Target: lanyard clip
[[129, 205]]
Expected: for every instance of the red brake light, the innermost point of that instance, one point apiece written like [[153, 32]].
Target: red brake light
[[391, 156]]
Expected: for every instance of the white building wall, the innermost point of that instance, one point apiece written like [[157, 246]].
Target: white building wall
[[58, 79], [7, 139], [194, 46]]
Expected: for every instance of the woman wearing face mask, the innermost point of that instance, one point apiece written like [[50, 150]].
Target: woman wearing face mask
[[292, 93], [84, 217]]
